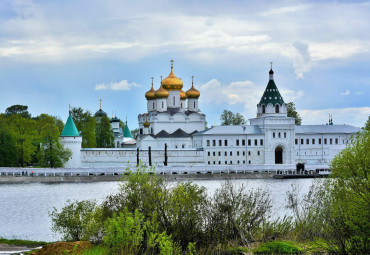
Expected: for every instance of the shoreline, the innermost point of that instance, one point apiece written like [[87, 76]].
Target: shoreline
[[111, 178]]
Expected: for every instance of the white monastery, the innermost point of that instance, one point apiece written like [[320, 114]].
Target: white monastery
[[173, 120]]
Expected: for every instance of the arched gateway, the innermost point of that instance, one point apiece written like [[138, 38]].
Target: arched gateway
[[279, 155]]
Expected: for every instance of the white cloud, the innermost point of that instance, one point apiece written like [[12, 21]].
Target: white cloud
[[240, 92], [345, 93], [302, 61], [359, 93], [284, 10], [356, 116], [122, 85]]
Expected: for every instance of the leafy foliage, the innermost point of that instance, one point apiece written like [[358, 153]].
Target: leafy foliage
[[85, 124], [21, 110], [230, 118], [103, 133], [277, 247], [292, 112]]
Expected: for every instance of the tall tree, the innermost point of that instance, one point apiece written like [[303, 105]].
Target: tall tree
[[367, 124], [292, 112], [103, 133], [8, 149], [18, 109], [25, 133], [85, 124], [52, 153], [230, 118]]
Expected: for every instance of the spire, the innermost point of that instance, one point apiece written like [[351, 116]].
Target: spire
[[70, 109], [100, 103], [70, 128], [271, 72]]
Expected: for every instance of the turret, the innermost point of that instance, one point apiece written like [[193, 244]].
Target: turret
[[193, 95], [271, 103], [71, 139]]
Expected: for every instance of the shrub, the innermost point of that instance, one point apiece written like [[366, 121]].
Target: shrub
[[277, 247]]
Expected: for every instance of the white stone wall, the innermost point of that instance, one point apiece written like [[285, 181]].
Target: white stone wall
[[151, 105], [183, 103], [161, 104], [173, 100], [191, 102], [124, 157], [74, 144]]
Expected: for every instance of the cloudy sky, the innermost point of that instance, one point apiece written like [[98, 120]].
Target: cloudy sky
[[55, 53]]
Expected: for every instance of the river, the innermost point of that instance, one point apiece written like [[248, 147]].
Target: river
[[24, 207]]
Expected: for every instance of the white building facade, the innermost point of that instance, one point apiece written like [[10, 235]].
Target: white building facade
[[173, 120]]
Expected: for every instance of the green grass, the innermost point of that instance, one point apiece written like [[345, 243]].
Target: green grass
[[22, 242], [278, 247], [97, 250]]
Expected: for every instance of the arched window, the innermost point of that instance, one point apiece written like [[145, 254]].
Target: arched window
[[263, 108], [162, 105], [277, 108], [153, 105], [173, 101], [181, 105], [194, 105], [279, 135]]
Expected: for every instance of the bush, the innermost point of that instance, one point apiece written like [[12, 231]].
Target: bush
[[277, 247]]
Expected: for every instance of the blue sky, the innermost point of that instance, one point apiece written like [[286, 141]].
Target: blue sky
[[56, 53]]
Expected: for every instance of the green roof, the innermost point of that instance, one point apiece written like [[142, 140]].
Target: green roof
[[127, 132], [70, 128], [271, 95]]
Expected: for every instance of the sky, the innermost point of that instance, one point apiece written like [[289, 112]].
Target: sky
[[56, 53]]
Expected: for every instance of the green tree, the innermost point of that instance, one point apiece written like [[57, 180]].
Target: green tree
[[135, 133], [18, 109], [103, 133], [52, 153], [85, 124], [25, 134], [291, 112], [230, 118], [8, 148], [367, 124]]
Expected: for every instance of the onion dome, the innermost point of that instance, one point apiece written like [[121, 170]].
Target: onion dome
[[161, 93], [172, 82], [100, 113], [192, 92], [149, 95], [182, 95], [146, 124]]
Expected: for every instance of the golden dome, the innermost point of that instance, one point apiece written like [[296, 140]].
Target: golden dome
[[192, 92], [172, 82], [182, 95], [149, 95], [146, 124], [161, 93]]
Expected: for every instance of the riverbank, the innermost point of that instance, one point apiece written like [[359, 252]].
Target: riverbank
[[111, 178]]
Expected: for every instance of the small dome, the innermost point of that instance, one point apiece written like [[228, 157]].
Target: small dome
[[172, 82], [192, 93], [182, 95], [149, 95], [115, 119], [100, 113], [271, 72], [161, 93], [146, 124]]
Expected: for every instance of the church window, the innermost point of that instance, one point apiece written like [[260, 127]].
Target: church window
[[225, 142], [331, 140], [209, 153], [307, 141], [243, 153], [255, 142], [261, 142], [279, 135], [225, 162], [249, 142], [141, 131], [183, 146], [174, 101], [319, 140], [231, 162], [214, 142], [275, 97], [231, 153], [296, 141], [249, 153], [249, 162], [181, 105], [194, 104], [214, 162], [219, 142], [243, 142], [237, 142], [237, 153], [277, 108], [313, 141], [209, 162], [325, 141], [263, 108], [243, 161], [336, 141], [284, 134], [302, 141], [153, 105], [214, 153], [225, 153], [208, 143], [219, 153], [273, 135], [162, 105], [258, 153], [219, 162]]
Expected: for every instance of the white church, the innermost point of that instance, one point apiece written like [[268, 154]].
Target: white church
[[173, 120]]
